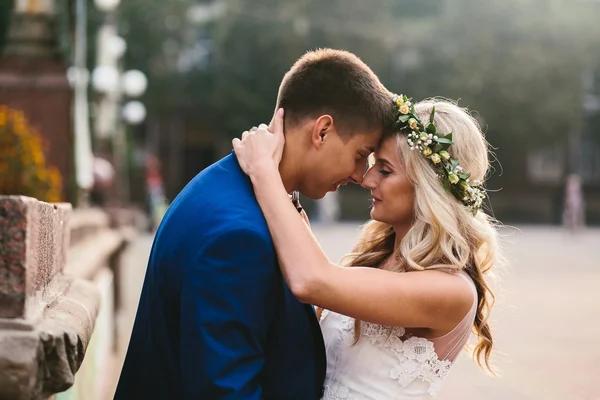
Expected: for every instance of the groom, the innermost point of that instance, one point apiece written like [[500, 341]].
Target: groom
[[216, 319]]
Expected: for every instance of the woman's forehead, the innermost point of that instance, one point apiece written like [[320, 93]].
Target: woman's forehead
[[387, 147]]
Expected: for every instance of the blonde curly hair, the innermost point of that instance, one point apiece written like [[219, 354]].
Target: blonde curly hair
[[445, 234]]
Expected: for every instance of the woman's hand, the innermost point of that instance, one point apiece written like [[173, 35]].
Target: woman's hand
[[260, 151]]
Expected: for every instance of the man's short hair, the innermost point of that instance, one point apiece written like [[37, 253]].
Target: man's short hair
[[337, 83]]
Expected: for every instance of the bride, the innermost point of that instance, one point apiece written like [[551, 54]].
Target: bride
[[397, 314]]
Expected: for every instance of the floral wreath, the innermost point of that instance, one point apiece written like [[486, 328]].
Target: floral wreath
[[434, 146]]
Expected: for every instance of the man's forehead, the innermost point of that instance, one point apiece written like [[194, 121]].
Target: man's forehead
[[370, 141]]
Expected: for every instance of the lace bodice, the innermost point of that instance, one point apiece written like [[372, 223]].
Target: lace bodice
[[386, 363]]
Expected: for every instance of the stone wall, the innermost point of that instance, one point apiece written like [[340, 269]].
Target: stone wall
[[54, 265]]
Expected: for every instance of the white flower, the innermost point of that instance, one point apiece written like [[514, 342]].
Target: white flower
[[410, 367], [401, 376], [453, 178], [404, 109], [337, 392], [417, 348], [347, 323]]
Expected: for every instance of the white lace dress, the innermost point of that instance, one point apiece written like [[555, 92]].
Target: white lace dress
[[387, 364]]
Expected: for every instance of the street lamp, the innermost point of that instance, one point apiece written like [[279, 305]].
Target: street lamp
[[105, 79], [107, 5], [109, 80], [134, 83], [116, 46], [134, 112]]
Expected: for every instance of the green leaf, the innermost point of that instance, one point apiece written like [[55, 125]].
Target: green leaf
[[454, 163], [446, 184], [403, 118], [444, 141], [431, 128], [464, 175], [432, 115]]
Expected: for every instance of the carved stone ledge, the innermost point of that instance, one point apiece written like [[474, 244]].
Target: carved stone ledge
[[39, 360]]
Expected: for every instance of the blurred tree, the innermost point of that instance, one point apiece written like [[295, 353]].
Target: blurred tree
[[6, 8], [517, 63]]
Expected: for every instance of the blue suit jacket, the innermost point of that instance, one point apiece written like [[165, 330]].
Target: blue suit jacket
[[216, 320]]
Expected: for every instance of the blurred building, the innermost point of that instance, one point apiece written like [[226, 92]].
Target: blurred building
[[33, 78]]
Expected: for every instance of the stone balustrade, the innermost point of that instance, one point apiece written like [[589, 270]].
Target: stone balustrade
[[56, 270]]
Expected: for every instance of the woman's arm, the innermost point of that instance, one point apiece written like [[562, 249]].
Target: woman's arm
[[425, 299]]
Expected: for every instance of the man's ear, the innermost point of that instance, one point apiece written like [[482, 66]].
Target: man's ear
[[323, 128]]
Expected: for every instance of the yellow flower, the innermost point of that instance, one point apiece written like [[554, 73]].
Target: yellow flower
[[445, 155], [413, 123], [400, 100], [427, 152], [404, 109], [453, 178], [435, 157]]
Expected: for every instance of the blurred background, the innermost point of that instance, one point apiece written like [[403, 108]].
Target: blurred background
[[117, 104]]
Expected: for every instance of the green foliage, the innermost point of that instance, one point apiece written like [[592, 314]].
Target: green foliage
[[516, 63], [6, 8]]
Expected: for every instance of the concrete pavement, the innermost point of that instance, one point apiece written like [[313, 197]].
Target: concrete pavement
[[546, 323]]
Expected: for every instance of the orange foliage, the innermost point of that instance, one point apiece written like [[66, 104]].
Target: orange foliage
[[23, 168]]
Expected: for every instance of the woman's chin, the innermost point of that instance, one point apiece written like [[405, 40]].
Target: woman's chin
[[374, 214], [377, 215]]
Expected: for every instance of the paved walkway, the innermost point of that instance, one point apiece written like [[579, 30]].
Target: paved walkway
[[546, 324]]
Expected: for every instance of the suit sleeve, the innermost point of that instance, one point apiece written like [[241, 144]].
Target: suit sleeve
[[227, 303]]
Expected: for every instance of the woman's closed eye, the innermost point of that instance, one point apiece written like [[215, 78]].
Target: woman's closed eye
[[384, 172]]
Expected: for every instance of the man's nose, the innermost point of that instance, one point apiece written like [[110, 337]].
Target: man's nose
[[358, 174], [356, 178], [367, 181]]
